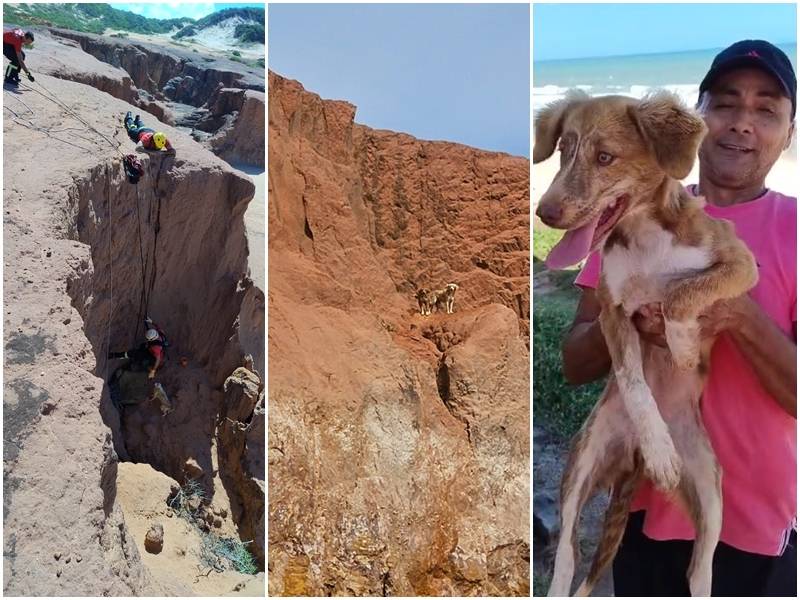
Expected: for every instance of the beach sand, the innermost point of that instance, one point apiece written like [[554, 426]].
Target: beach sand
[[255, 222]]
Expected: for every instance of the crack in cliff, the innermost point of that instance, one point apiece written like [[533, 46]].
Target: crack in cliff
[[443, 386], [189, 443]]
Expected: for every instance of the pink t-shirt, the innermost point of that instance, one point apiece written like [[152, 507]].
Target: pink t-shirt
[[755, 440]]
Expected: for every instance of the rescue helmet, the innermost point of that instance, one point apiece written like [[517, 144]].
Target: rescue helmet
[[151, 335], [159, 139]]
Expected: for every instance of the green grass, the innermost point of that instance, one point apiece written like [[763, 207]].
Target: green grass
[[218, 553], [544, 238], [180, 502], [557, 406], [253, 64], [221, 553], [539, 585]]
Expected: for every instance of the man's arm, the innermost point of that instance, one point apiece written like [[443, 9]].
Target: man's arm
[[769, 351], [584, 354], [157, 364], [21, 61]]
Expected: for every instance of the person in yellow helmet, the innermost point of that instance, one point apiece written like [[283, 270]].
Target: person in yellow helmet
[[149, 138]]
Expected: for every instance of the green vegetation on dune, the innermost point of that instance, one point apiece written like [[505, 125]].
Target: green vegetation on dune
[[252, 32], [91, 18], [97, 18], [249, 33], [187, 31], [248, 14]]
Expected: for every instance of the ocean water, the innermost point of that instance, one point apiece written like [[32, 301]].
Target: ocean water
[[635, 75]]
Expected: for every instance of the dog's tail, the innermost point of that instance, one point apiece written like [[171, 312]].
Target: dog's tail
[[616, 518]]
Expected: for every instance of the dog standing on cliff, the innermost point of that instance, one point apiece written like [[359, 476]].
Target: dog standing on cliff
[[423, 299], [445, 298], [618, 190]]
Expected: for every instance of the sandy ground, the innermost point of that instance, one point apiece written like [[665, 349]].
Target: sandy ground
[[549, 458], [255, 222], [142, 492], [249, 52]]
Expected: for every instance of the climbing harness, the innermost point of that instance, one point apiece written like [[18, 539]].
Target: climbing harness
[[133, 168]]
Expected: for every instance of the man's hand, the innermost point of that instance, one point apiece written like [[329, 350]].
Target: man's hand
[[30, 76], [151, 374], [649, 322]]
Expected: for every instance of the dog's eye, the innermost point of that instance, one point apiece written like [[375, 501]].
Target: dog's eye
[[604, 158]]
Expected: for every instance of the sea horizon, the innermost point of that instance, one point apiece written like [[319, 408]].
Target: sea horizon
[[629, 75]]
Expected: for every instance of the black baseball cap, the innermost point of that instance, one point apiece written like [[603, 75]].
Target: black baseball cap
[[761, 55]]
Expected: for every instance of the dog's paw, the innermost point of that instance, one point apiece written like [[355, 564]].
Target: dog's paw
[[661, 461], [683, 339], [686, 361]]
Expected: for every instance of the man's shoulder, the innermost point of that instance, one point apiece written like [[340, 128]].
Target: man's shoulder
[[785, 204]]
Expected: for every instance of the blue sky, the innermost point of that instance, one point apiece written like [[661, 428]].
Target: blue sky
[[437, 71], [586, 30], [172, 10]]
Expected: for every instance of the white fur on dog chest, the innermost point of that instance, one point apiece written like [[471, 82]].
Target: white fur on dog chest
[[636, 274]]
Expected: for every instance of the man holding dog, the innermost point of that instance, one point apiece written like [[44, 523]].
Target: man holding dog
[[748, 100]]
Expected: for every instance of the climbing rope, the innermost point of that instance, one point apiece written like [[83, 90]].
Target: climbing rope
[[144, 258], [45, 93], [142, 264], [28, 124], [110, 268]]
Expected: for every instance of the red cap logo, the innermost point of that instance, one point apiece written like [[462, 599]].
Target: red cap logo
[[753, 53]]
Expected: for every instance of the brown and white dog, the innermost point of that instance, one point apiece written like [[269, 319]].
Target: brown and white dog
[[445, 298], [618, 190]]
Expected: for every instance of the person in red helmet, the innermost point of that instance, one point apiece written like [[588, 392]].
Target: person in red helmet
[[13, 41]]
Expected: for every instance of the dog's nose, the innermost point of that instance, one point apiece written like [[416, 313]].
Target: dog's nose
[[550, 214]]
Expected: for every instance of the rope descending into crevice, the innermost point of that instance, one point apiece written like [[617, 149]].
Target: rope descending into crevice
[[110, 227]]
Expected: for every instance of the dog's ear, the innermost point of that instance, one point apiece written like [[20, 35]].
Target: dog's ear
[[549, 123], [672, 132]]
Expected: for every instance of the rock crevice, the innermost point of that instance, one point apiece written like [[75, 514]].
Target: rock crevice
[[88, 256]]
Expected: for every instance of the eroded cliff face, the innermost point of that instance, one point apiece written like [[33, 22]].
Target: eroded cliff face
[[87, 256], [173, 73], [220, 101], [236, 139], [398, 444]]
